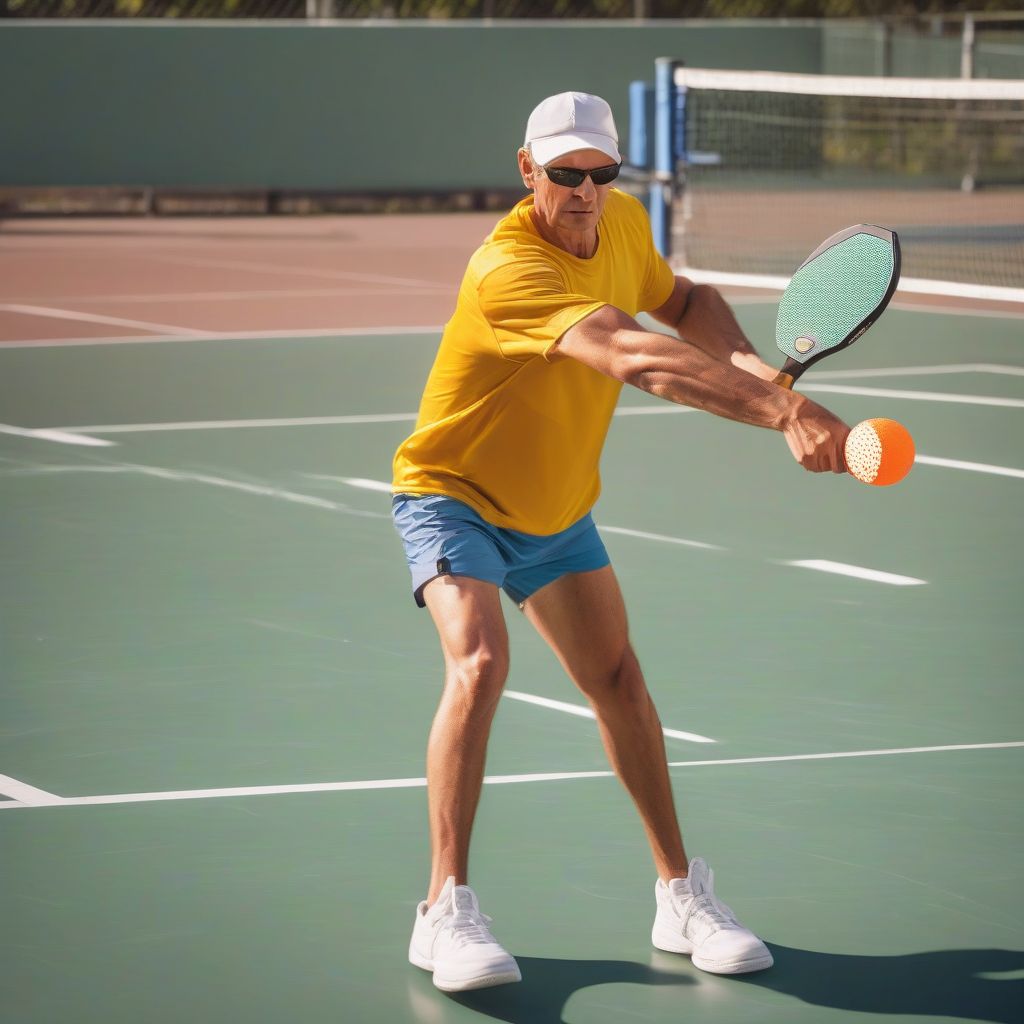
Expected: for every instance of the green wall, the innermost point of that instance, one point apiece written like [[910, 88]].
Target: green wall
[[366, 107], [347, 107], [859, 48]]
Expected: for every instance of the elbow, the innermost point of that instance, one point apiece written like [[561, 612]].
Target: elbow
[[639, 372], [631, 367], [630, 361]]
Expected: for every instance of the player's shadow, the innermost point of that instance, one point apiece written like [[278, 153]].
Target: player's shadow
[[545, 989], [960, 983], [944, 983]]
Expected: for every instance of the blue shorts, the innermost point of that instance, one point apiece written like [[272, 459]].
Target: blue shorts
[[445, 537]]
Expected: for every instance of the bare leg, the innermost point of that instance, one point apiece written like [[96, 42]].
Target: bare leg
[[583, 618], [474, 640]]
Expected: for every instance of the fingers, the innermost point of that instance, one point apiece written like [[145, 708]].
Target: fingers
[[816, 438], [816, 449]]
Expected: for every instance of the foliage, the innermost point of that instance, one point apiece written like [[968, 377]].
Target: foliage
[[445, 9]]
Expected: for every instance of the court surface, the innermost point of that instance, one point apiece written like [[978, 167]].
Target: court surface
[[216, 686]]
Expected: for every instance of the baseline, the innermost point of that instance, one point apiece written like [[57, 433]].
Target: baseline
[[491, 780]]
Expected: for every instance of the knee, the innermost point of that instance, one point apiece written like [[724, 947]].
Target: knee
[[620, 682], [479, 676]]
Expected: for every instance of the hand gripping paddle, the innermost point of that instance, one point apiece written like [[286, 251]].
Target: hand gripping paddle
[[836, 294]]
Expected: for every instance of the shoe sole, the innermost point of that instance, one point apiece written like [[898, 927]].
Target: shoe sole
[[486, 980], [675, 944]]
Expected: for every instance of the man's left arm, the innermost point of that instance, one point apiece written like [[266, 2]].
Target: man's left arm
[[700, 316]]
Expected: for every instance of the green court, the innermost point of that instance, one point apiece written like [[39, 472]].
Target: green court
[[217, 691]]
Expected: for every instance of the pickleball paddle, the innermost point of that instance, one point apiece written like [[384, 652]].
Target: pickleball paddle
[[835, 295]]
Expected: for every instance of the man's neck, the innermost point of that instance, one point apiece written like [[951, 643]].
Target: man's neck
[[581, 244]]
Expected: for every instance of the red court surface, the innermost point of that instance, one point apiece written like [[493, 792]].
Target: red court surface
[[85, 278], [127, 278]]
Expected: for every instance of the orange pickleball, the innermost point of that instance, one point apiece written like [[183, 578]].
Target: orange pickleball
[[879, 452]]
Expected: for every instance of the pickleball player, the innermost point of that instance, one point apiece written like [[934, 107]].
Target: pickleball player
[[494, 488]]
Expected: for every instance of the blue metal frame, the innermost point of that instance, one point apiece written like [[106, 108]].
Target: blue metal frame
[[668, 132]]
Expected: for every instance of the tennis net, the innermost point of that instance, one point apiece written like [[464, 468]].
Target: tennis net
[[769, 164]]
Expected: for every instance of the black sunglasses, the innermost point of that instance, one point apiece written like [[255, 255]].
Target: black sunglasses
[[572, 178]]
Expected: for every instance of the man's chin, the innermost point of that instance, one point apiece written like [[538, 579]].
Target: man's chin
[[579, 221]]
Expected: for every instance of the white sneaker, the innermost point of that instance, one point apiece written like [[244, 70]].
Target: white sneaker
[[691, 919], [452, 939]]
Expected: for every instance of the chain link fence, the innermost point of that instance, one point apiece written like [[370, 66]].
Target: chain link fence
[[939, 13], [350, 9]]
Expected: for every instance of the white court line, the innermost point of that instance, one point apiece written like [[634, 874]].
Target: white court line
[[927, 460], [941, 309], [26, 795], [917, 396], [283, 335], [972, 467], [652, 410], [300, 421], [93, 318], [858, 571], [907, 285], [331, 275], [230, 296], [919, 371], [490, 780], [303, 421], [848, 753], [203, 478], [354, 481], [660, 537], [381, 485], [60, 436], [584, 712]]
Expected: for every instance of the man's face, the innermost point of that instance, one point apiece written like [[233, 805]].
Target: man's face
[[559, 207]]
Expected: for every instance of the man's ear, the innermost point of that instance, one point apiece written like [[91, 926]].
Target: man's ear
[[527, 168]]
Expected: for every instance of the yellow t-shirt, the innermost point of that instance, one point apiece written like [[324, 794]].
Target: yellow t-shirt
[[506, 425]]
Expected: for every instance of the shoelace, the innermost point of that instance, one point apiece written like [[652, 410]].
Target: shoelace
[[708, 910], [466, 928]]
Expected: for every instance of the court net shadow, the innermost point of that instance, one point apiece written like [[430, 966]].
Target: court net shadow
[[962, 983]]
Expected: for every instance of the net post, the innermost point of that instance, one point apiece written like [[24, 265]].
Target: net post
[[641, 132], [970, 176], [640, 149], [967, 48], [666, 122]]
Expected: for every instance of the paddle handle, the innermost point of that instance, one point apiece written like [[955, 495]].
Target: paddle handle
[[787, 376]]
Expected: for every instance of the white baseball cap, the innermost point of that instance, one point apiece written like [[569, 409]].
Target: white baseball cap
[[570, 121]]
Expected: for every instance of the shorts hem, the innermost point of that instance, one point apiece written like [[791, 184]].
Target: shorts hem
[[417, 592]]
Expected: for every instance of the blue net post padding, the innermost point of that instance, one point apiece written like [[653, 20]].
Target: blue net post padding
[[666, 125]]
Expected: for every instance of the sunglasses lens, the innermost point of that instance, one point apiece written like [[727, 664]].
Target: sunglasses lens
[[565, 176], [603, 175], [569, 177]]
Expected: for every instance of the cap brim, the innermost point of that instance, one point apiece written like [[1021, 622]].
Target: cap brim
[[551, 148]]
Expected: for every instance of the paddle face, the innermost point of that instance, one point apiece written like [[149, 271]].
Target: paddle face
[[836, 294]]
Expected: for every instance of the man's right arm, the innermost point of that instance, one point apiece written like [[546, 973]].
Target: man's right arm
[[610, 341]]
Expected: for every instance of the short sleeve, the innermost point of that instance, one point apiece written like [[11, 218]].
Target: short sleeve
[[529, 308]]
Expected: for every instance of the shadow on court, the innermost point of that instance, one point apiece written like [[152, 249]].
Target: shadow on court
[[946, 983], [950, 983], [546, 988]]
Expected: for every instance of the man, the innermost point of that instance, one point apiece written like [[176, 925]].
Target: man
[[494, 490]]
